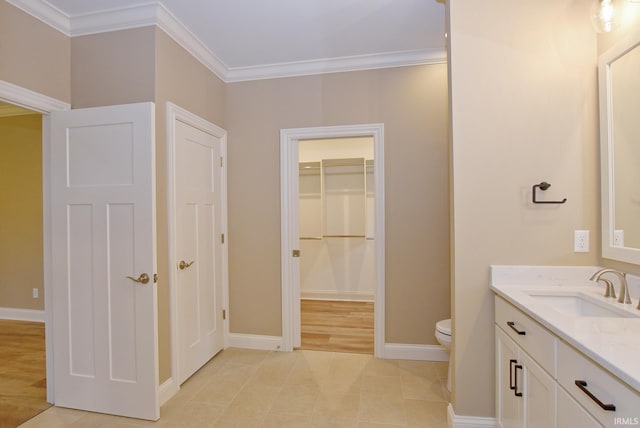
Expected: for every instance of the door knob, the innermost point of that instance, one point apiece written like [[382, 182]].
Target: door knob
[[183, 265], [142, 279]]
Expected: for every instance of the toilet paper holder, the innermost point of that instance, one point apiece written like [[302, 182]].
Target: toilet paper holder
[[544, 186]]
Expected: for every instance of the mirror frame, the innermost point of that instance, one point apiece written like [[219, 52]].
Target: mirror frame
[[609, 251]]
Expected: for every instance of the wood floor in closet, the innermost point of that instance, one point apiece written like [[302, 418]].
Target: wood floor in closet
[[337, 326], [23, 379]]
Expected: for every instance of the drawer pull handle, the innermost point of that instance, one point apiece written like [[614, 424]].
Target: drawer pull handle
[[583, 386], [515, 376], [511, 363], [513, 327]]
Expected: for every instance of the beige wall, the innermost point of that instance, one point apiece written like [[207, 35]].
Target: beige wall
[[523, 110], [21, 248], [184, 81], [34, 55], [113, 68], [412, 104]]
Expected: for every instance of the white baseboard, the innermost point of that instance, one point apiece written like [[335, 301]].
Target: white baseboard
[[401, 351], [33, 315], [354, 296], [468, 421], [167, 390], [254, 341]]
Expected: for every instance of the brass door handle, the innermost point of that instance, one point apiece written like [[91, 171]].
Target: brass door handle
[[142, 279], [183, 265]]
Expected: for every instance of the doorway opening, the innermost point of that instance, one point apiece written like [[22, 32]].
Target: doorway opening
[[23, 378], [337, 249], [342, 223], [22, 97]]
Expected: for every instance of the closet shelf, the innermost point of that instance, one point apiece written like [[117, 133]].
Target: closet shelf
[[344, 191]]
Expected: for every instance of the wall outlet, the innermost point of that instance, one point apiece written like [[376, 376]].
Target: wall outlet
[[618, 238], [581, 241], [35, 293]]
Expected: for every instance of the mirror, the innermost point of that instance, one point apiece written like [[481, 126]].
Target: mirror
[[619, 85]]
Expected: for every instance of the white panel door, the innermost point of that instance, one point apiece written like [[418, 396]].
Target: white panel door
[[509, 406], [104, 231], [198, 248], [539, 395]]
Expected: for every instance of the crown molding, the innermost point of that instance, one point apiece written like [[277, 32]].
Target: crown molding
[[155, 13], [45, 12], [144, 15], [337, 65], [124, 18], [185, 38]]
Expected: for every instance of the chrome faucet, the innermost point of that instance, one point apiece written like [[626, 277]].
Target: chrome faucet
[[622, 276]]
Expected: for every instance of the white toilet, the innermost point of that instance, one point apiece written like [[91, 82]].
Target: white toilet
[[443, 336]]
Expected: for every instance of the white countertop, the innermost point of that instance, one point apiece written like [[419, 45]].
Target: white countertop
[[612, 342]]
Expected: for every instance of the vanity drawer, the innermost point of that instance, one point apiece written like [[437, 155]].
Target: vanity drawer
[[574, 366], [536, 340]]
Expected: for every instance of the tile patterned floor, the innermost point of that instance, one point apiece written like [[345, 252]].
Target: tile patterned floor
[[248, 388]]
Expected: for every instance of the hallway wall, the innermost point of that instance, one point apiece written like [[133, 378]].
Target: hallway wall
[[412, 104], [21, 247], [34, 55]]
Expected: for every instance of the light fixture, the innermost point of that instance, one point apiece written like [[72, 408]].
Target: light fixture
[[604, 15]]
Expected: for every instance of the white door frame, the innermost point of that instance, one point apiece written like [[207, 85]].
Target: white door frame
[[44, 104], [176, 113], [290, 225]]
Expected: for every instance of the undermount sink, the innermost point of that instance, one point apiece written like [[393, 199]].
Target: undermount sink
[[579, 305]]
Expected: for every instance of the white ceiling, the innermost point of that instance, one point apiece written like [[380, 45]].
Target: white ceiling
[[249, 33]]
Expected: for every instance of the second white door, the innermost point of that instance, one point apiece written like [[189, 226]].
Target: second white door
[[198, 251]]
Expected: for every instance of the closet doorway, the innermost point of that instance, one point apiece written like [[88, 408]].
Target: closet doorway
[[337, 252], [333, 238]]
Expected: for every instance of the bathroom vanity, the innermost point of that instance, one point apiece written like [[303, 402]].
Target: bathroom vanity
[[566, 356]]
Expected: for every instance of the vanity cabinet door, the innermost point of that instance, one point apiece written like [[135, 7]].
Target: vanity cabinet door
[[539, 395], [509, 407], [571, 414]]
